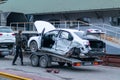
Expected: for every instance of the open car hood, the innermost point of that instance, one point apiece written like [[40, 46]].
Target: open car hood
[[40, 25]]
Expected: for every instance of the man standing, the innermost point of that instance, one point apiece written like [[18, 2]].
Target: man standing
[[18, 48]]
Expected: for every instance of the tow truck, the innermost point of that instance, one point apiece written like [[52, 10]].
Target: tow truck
[[44, 59], [47, 48]]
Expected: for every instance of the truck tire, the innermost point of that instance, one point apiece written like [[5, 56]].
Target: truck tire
[[34, 60], [33, 46], [44, 61], [61, 63]]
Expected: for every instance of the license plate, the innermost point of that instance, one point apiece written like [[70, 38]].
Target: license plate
[[87, 63]]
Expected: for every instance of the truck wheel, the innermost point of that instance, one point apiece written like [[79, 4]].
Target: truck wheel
[[33, 46], [34, 60], [44, 61], [61, 63]]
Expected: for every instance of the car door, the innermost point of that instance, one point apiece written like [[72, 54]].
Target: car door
[[49, 39], [42, 27], [63, 41]]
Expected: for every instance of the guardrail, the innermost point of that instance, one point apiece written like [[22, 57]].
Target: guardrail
[[112, 33], [24, 26], [109, 29]]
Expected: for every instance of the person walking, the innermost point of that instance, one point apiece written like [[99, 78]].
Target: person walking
[[18, 48]]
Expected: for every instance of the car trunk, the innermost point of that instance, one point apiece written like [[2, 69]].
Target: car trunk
[[98, 47], [96, 44]]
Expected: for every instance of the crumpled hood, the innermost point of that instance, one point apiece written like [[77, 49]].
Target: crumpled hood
[[40, 25]]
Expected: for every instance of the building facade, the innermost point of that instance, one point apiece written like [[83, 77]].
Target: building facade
[[93, 11]]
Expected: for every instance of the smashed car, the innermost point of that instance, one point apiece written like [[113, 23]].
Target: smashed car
[[59, 41]]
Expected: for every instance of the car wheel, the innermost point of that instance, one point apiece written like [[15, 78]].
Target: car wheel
[[34, 60], [33, 46]]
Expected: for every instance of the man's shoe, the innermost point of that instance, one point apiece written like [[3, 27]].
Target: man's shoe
[[14, 64], [22, 64]]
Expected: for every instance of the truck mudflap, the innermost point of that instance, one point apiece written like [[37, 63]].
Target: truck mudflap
[[88, 63]]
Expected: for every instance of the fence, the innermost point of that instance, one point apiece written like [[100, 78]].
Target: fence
[[111, 33]]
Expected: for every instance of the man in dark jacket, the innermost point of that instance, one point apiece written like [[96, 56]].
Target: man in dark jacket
[[18, 48]]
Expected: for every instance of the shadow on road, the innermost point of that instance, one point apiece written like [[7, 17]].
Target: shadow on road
[[77, 69]]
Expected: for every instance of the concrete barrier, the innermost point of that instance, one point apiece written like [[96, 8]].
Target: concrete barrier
[[111, 60]]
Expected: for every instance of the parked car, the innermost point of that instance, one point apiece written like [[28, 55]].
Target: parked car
[[7, 40], [58, 41]]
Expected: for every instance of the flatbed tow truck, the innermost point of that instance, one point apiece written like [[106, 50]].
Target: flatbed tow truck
[[53, 45], [44, 59]]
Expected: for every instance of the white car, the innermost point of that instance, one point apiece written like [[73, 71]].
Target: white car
[[94, 31], [59, 41], [7, 40]]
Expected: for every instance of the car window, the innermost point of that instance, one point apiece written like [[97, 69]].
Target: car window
[[5, 29], [81, 35], [65, 35], [52, 33]]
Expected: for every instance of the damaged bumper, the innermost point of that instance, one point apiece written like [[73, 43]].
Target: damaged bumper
[[95, 53]]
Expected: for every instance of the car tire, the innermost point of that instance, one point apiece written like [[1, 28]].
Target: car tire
[[33, 46]]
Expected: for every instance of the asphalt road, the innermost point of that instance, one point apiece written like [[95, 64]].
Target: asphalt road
[[66, 73]]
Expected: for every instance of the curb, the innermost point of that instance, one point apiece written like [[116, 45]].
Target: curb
[[13, 77], [18, 75]]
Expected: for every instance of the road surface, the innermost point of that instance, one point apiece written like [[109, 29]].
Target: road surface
[[66, 73]]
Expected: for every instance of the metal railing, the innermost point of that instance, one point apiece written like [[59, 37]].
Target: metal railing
[[109, 29], [26, 27], [111, 33]]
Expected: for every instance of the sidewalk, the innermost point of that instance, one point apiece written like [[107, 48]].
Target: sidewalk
[[21, 75]]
